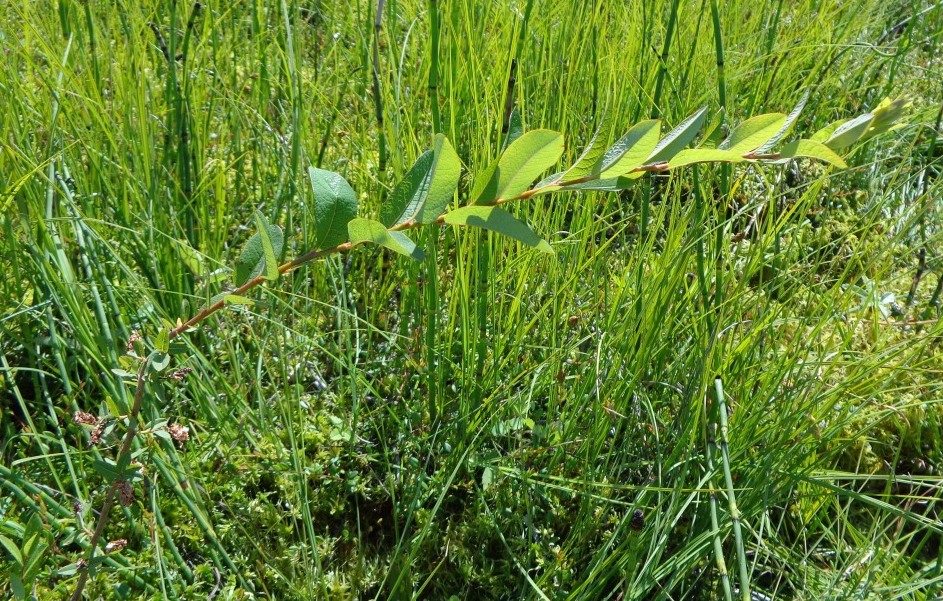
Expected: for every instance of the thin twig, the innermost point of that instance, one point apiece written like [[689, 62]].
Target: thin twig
[[123, 457]]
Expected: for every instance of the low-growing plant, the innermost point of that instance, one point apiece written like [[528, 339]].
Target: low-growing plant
[[429, 196]]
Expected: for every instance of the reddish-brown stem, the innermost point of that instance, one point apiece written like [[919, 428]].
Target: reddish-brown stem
[[123, 456], [316, 254]]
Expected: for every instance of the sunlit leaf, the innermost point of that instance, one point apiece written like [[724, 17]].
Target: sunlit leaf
[[162, 343], [231, 299], [631, 150], [405, 202], [787, 126], [887, 116], [812, 150], [497, 220], [611, 184], [515, 128], [426, 189], [367, 230], [519, 165], [446, 172], [678, 138], [235, 299], [189, 256], [252, 259], [689, 156], [270, 262], [849, 132], [753, 133], [335, 203], [590, 161], [713, 133]]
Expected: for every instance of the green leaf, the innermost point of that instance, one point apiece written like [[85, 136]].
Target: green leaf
[[519, 165], [427, 188], [713, 132], [849, 132], [515, 424], [270, 263], [446, 172], [590, 161], [335, 204], [887, 115], [35, 561], [162, 343], [33, 528], [678, 138], [107, 469], [487, 478], [12, 549], [252, 259], [612, 184], [69, 570], [190, 257], [824, 133], [515, 128], [128, 363], [235, 299], [753, 133], [406, 200], [158, 361], [367, 230], [631, 150], [231, 299], [497, 220], [812, 150], [787, 126], [689, 156], [19, 591]]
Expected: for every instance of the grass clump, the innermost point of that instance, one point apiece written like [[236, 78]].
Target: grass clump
[[492, 422]]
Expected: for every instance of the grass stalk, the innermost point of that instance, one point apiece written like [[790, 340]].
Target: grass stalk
[[731, 494], [663, 59], [721, 87], [716, 540], [377, 92], [434, 65]]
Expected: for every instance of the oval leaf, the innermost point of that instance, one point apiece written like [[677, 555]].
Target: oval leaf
[[611, 184], [519, 165], [252, 259], [190, 257], [753, 133], [497, 220], [446, 172], [515, 128], [849, 132], [631, 150], [790, 121], [406, 200], [427, 188], [335, 203], [269, 260], [813, 150], [887, 116], [689, 156], [678, 138], [367, 230], [590, 161]]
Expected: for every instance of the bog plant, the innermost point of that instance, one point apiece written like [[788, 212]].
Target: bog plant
[[424, 198]]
